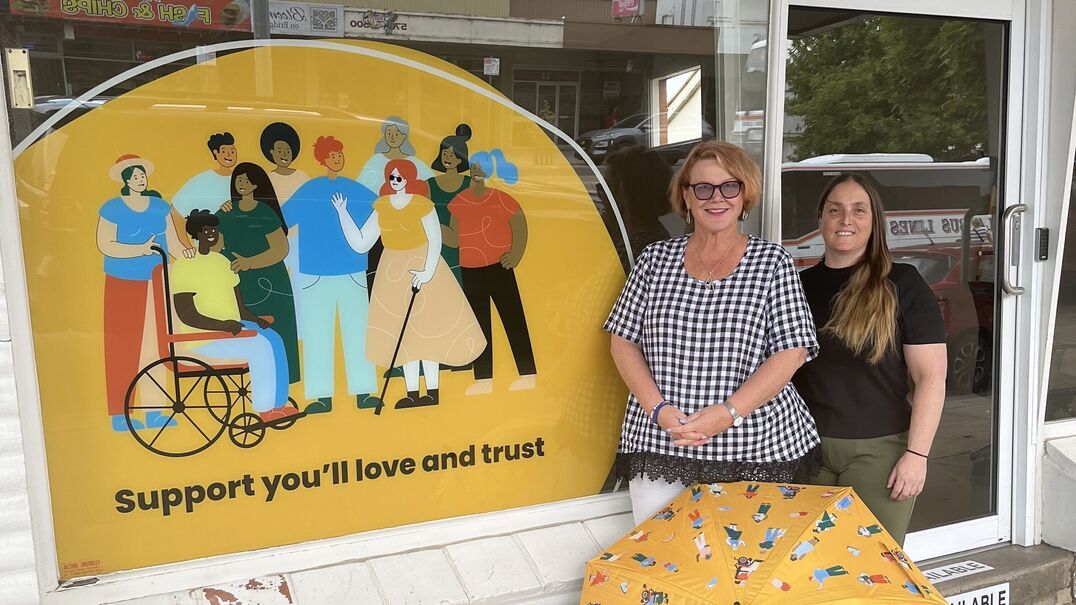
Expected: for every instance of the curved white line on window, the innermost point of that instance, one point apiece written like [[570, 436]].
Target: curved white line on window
[[358, 50]]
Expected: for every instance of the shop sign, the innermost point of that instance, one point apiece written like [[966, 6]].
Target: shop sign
[[627, 8], [991, 595], [457, 29], [955, 570], [386, 21], [304, 19], [233, 15], [491, 66]]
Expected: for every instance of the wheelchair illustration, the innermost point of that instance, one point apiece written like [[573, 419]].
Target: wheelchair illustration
[[196, 399]]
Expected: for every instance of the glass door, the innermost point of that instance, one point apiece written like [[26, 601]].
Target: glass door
[[567, 108], [916, 104], [554, 102], [547, 103]]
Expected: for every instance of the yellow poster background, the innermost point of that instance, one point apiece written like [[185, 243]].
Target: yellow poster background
[[568, 280]]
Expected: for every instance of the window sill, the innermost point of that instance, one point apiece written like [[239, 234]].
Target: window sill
[[215, 570]]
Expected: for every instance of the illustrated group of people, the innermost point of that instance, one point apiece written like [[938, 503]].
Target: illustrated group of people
[[740, 369], [277, 257]]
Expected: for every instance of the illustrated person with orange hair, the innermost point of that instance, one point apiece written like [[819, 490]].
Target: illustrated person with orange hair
[[441, 328], [332, 278]]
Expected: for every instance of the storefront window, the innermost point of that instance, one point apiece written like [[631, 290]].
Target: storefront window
[[915, 106], [256, 181], [1061, 397]]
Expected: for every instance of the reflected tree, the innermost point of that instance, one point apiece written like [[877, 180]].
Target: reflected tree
[[890, 84]]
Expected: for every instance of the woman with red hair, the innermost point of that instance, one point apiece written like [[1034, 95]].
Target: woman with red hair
[[441, 329]]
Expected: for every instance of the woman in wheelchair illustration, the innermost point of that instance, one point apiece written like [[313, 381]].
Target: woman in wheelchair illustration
[[215, 327]]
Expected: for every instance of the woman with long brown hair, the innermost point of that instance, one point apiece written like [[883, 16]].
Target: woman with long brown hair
[[879, 328]]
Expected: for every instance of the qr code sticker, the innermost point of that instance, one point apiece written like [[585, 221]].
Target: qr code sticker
[[324, 20]]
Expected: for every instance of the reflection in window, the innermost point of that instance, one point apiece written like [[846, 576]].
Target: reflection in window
[[679, 109], [1061, 397], [913, 105]]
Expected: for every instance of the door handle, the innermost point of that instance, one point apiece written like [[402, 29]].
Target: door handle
[[1010, 222]]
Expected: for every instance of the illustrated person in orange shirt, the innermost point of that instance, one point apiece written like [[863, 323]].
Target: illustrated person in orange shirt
[[490, 229]]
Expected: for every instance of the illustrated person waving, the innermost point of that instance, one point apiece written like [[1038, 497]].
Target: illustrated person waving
[[441, 328]]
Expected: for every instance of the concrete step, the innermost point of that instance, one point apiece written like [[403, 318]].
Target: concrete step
[[1038, 575]]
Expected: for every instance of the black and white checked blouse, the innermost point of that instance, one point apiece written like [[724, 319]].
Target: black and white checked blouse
[[701, 343]]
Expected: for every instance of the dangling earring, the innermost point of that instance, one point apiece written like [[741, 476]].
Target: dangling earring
[[744, 215]]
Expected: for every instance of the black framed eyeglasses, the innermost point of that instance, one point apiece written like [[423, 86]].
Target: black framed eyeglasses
[[395, 178], [705, 191]]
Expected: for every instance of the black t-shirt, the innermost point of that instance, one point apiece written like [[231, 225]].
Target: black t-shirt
[[849, 397]]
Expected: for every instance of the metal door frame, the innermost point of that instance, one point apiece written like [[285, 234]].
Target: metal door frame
[[1016, 440]]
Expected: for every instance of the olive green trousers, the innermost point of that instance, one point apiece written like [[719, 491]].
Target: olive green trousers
[[865, 465]]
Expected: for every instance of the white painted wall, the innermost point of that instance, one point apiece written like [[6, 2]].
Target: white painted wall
[[17, 570]]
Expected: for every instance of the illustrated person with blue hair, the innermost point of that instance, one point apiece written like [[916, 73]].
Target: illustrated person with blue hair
[[211, 188], [490, 230]]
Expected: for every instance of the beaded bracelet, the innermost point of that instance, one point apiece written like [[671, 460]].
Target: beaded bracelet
[[657, 410]]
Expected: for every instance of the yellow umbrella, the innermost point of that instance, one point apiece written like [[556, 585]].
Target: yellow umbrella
[[756, 543]]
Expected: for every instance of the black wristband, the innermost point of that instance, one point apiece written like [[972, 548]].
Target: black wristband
[[917, 454]]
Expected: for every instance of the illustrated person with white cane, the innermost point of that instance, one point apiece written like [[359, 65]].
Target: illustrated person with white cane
[[441, 327]]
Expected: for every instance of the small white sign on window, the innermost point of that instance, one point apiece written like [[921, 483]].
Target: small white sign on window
[[491, 66], [991, 595], [955, 570]]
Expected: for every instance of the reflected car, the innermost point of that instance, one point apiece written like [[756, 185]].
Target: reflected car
[[46, 106], [965, 295], [637, 130]]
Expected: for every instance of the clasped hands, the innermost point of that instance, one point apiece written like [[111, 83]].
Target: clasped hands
[[696, 429]]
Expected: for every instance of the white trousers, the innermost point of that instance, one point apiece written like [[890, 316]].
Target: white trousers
[[649, 496]]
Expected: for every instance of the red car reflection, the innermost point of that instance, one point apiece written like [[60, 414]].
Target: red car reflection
[[964, 288]]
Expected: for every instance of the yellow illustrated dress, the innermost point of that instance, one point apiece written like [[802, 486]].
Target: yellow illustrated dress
[[442, 327]]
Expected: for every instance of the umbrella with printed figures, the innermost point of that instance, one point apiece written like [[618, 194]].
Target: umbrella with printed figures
[[758, 543]]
